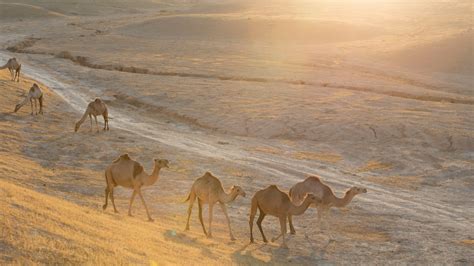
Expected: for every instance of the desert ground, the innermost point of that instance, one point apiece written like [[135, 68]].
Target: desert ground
[[374, 94]]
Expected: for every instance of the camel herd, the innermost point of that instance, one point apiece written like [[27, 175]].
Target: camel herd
[[207, 189]]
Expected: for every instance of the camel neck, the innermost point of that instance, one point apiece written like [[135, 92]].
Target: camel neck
[[342, 202], [154, 176], [298, 210], [228, 197]]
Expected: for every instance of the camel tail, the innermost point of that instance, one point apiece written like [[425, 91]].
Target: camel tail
[[189, 196], [112, 181]]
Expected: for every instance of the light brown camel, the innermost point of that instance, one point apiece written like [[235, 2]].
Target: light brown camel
[[95, 108], [34, 94], [208, 189], [274, 202], [128, 173], [314, 186], [14, 67]]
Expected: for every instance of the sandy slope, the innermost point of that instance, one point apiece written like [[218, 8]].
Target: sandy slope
[[56, 157], [252, 111]]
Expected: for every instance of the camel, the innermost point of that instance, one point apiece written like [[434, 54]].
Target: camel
[[95, 108], [274, 202], [34, 94], [314, 185], [14, 67], [128, 173], [208, 189]]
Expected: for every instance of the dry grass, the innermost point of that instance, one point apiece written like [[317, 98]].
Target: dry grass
[[468, 242], [374, 166], [40, 224], [323, 157]]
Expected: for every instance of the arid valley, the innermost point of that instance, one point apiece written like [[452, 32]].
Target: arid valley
[[373, 94]]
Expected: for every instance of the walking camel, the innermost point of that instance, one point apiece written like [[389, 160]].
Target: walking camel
[[34, 94], [14, 67], [95, 108], [272, 201], [208, 189], [128, 173], [314, 185]]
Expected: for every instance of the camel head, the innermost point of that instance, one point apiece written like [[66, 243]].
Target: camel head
[[237, 190], [312, 199], [356, 190], [162, 163], [17, 107]]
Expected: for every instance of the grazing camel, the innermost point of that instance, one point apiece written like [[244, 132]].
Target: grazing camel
[[314, 185], [273, 201], [128, 173], [95, 108], [35, 94], [208, 189], [14, 67]]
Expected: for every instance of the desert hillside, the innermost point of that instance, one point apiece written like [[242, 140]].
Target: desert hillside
[[372, 94]]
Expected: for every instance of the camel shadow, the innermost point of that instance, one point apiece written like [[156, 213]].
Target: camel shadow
[[279, 255], [182, 238]]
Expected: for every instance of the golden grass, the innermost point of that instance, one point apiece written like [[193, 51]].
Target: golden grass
[[374, 166], [324, 157], [469, 242], [48, 230]]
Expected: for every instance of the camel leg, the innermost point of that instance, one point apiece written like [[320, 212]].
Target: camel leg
[[96, 124], [211, 207], [200, 217], [190, 210], [90, 118], [144, 204], [36, 106], [320, 216], [259, 224], [224, 209], [111, 192], [131, 203], [31, 103], [253, 211], [106, 198], [290, 221], [283, 230], [105, 123], [281, 234], [12, 77]]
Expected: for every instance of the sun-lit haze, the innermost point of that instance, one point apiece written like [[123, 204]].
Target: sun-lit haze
[[376, 94]]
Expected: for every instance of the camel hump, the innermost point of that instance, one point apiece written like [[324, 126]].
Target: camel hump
[[97, 100], [122, 157], [314, 178], [208, 174], [137, 169]]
